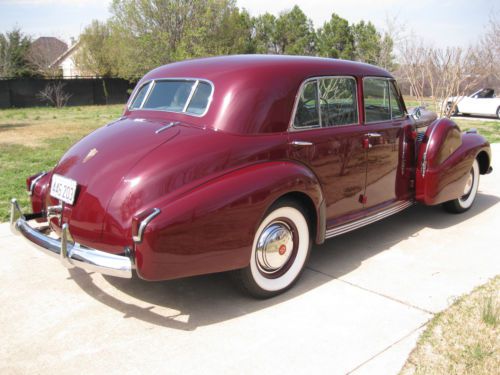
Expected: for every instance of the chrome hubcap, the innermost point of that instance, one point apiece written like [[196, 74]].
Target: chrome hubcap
[[468, 185], [274, 247]]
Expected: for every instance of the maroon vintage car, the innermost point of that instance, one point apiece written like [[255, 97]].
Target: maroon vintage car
[[241, 163]]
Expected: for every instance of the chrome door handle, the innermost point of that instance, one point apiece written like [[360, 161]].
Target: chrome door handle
[[373, 135], [301, 143]]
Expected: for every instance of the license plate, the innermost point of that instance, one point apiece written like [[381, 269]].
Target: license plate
[[63, 189]]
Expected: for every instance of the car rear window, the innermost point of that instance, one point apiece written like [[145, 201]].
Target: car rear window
[[180, 96], [307, 114]]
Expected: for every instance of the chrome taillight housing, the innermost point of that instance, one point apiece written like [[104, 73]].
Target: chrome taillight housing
[[140, 222]]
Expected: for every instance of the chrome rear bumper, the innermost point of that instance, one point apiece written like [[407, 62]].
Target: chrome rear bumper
[[70, 254]]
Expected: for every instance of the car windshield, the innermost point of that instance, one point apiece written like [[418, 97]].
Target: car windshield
[[182, 96], [484, 94]]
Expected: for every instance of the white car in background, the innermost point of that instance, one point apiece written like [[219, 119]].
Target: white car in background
[[483, 102]]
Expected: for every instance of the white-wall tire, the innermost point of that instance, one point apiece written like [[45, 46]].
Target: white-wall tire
[[466, 201], [270, 272]]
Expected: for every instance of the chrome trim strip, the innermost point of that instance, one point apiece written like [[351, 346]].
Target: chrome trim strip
[[301, 143], [148, 92], [291, 126], [367, 220], [35, 180], [191, 94], [318, 99], [403, 153], [373, 135], [136, 91], [168, 126], [70, 254], [144, 223], [423, 167]]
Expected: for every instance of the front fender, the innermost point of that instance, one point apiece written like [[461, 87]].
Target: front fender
[[212, 227], [445, 158]]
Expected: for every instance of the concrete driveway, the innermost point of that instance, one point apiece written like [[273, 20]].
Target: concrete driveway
[[359, 307]]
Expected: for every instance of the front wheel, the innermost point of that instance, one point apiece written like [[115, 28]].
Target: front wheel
[[465, 202], [280, 250], [498, 113], [452, 110]]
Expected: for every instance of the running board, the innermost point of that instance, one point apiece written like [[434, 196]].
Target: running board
[[367, 220]]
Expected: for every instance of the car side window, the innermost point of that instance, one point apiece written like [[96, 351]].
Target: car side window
[[376, 98], [338, 104], [139, 98], [199, 101], [307, 114], [397, 109]]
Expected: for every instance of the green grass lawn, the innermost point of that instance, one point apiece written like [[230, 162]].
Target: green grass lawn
[[33, 140], [464, 339]]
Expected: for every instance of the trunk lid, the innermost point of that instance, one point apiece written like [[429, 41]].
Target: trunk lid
[[98, 163]]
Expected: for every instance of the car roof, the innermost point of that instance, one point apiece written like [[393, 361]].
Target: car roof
[[256, 93], [211, 67]]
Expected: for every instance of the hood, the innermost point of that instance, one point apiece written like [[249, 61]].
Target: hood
[[99, 162]]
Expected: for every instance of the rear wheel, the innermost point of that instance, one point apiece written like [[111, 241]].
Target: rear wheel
[[465, 202], [280, 250]]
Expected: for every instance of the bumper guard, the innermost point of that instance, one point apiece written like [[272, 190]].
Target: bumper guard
[[70, 254]]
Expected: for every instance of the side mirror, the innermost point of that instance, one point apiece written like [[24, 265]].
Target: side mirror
[[416, 113]]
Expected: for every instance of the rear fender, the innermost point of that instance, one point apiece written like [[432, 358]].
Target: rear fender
[[445, 158], [211, 228]]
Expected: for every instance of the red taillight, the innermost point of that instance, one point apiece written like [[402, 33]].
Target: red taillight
[[140, 221]]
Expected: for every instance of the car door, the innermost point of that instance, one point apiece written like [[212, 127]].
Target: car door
[[479, 103], [467, 104], [387, 130], [486, 103], [327, 137]]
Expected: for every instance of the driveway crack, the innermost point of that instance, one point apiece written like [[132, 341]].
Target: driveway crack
[[373, 292], [387, 348]]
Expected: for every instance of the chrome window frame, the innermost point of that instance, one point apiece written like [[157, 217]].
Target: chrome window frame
[[398, 93], [153, 81], [293, 128], [388, 80]]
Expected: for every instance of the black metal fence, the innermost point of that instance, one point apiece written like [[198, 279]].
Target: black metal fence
[[24, 92]]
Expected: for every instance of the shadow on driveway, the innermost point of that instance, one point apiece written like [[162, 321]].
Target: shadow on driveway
[[210, 299]]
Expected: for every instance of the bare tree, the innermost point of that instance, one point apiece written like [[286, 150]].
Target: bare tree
[[490, 46], [451, 74], [413, 59], [54, 94], [443, 75], [41, 63]]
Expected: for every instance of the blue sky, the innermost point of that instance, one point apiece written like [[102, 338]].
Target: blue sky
[[441, 22]]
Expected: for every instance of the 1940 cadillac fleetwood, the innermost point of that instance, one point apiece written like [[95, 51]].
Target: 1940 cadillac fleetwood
[[242, 162]]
